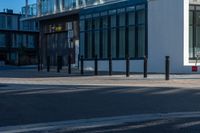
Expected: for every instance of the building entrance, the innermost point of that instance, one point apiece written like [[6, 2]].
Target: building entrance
[[58, 44]]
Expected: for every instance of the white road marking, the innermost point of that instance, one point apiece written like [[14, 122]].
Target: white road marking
[[97, 122]]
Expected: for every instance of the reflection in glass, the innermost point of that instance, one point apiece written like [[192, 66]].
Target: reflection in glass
[[89, 44], [141, 17], [131, 42], [105, 44], [122, 43], [141, 41], [97, 43], [113, 43], [2, 40]]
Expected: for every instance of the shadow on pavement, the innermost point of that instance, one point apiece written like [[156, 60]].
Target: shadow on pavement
[[29, 104]]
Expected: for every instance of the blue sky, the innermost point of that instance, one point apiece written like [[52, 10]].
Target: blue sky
[[13, 4]]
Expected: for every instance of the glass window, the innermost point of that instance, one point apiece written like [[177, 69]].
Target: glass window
[[2, 40], [89, 24], [97, 23], [113, 20], [191, 17], [122, 43], [105, 44], [141, 17], [95, 15], [104, 13], [19, 40], [191, 53], [105, 22], [131, 42], [197, 47], [191, 7], [9, 22], [2, 22], [31, 41], [131, 8], [131, 18], [141, 41], [113, 43], [13, 41], [112, 12], [69, 4], [122, 19], [197, 18], [97, 43], [25, 40], [197, 7], [89, 45], [140, 7], [82, 25], [82, 43]]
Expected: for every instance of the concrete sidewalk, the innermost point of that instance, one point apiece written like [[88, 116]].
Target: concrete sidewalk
[[31, 76]]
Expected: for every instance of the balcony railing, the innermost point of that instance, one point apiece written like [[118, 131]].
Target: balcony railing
[[49, 7]]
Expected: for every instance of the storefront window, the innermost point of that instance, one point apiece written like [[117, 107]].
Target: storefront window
[[194, 32], [141, 41], [122, 43], [116, 32], [131, 42], [82, 43], [113, 43], [2, 40], [89, 45], [105, 44], [97, 43]]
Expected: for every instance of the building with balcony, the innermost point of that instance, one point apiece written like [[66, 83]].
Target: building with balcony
[[18, 40], [120, 28]]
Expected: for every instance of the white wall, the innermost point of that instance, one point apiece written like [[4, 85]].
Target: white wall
[[168, 34]]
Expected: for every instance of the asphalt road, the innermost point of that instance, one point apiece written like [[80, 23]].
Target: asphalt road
[[32, 104]]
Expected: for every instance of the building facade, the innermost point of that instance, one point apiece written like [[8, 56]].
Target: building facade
[[18, 40], [134, 28]]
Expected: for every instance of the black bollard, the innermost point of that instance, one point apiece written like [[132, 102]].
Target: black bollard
[[38, 64], [167, 67], [110, 65], [96, 65], [127, 66], [82, 65], [69, 64], [58, 64], [145, 67], [61, 62], [48, 63]]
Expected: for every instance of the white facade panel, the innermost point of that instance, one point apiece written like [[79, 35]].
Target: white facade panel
[[168, 34]]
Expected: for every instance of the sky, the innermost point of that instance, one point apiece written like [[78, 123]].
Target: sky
[[13, 4]]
